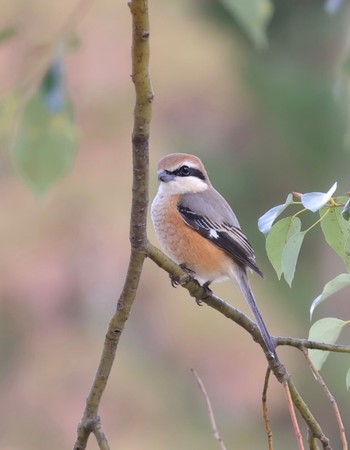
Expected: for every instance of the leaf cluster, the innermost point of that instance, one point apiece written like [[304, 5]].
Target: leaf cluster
[[284, 239]]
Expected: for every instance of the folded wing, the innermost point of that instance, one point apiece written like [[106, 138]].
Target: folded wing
[[223, 234]]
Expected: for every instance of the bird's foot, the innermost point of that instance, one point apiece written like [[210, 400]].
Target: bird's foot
[[175, 281], [208, 292], [190, 274]]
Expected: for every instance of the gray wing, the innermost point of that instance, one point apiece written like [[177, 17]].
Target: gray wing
[[210, 215]]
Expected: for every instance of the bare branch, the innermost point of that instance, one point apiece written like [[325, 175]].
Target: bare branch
[[330, 398], [210, 411], [313, 425], [225, 308], [304, 343], [312, 441], [265, 410], [101, 436], [138, 221], [140, 248], [293, 416], [278, 369], [197, 291]]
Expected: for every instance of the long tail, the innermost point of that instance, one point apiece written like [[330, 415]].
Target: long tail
[[242, 280]]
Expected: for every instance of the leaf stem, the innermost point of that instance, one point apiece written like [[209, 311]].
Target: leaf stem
[[317, 221], [299, 212]]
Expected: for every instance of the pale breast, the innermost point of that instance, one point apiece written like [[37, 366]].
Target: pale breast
[[165, 221], [184, 245]]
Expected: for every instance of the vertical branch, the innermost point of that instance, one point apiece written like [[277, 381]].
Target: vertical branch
[[142, 120], [265, 410], [90, 422]]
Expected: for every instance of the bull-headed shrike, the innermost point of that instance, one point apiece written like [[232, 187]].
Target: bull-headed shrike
[[198, 229]]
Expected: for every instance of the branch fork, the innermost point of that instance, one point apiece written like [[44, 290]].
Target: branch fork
[[142, 248]]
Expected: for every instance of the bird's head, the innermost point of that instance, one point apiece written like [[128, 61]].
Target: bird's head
[[180, 173]]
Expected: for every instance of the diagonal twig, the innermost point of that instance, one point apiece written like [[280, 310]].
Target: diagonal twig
[[232, 313], [293, 416], [210, 411], [330, 398], [101, 437]]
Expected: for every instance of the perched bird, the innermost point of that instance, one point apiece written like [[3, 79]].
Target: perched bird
[[198, 229]]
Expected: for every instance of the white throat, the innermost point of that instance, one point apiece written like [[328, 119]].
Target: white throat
[[182, 185]]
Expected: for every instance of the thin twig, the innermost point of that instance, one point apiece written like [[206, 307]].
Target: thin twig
[[265, 410], [309, 419], [312, 441], [312, 345], [330, 398], [210, 411], [100, 436], [293, 417]]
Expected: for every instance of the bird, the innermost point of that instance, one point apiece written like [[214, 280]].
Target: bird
[[198, 230]]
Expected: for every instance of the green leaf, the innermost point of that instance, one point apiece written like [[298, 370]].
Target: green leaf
[[347, 379], [9, 107], [265, 221], [333, 286], [277, 239], [325, 330], [347, 254], [346, 211], [283, 245], [291, 252], [335, 228], [6, 34], [346, 65], [45, 145], [253, 16], [314, 201]]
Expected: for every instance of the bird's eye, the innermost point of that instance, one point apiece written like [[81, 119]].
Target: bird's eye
[[184, 171]]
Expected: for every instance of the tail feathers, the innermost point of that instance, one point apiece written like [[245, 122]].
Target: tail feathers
[[243, 283]]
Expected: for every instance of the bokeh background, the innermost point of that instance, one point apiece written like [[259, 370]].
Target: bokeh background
[[266, 123]]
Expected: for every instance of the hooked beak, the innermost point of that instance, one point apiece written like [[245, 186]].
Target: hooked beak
[[165, 176]]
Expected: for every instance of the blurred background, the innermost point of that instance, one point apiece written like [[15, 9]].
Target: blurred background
[[265, 119]]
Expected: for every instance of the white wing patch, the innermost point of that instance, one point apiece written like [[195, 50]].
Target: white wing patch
[[213, 234], [225, 235]]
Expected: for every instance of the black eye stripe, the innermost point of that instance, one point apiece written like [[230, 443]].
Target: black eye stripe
[[188, 172]]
